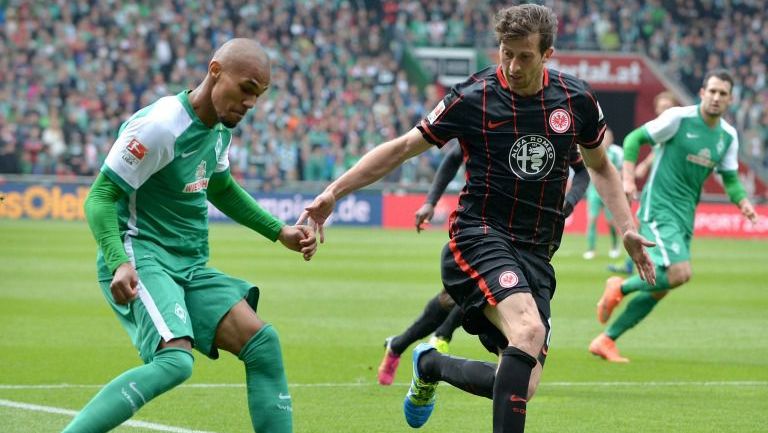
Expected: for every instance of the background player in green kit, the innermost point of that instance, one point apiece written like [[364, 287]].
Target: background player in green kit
[[595, 204], [148, 212], [661, 102], [692, 141]]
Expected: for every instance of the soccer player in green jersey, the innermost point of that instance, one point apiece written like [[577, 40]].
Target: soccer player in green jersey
[[692, 141], [661, 103], [148, 212], [595, 204]]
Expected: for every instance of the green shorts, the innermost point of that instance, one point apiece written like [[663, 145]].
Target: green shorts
[[673, 243], [172, 305]]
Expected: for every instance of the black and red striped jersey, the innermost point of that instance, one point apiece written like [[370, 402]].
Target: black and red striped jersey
[[517, 151]]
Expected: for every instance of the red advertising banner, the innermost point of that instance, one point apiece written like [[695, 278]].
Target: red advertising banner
[[399, 210], [712, 219]]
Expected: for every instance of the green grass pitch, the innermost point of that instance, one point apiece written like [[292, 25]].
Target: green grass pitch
[[699, 363]]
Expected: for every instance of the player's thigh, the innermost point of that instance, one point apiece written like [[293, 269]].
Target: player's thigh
[[210, 295], [672, 242], [518, 318], [159, 312], [485, 270]]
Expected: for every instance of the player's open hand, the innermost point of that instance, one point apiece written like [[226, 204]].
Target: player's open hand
[[635, 246], [423, 216], [125, 282], [299, 238], [318, 212]]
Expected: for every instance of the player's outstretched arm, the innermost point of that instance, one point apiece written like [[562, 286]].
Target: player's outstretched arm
[[371, 167], [230, 198], [608, 184]]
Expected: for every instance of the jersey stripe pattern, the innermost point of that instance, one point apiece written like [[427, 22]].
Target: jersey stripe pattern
[[517, 151]]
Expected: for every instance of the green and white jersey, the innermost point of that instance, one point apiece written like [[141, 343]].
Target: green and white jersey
[[163, 158], [616, 156], [688, 150]]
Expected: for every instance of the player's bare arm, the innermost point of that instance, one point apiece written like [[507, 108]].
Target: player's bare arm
[[643, 166], [628, 180], [371, 167], [607, 182]]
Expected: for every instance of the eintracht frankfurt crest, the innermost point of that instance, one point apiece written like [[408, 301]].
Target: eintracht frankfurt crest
[[560, 120], [531, 157]]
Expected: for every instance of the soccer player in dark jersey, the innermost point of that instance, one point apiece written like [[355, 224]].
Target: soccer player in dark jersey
[[517, 124], [441, 314]]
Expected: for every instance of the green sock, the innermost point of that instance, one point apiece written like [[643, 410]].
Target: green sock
[[592, 235], [614, 238], [269, 402], [637, 308], [635, 283], [125, 394]]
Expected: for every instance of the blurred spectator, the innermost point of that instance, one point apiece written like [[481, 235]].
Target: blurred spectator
[[71, 72]]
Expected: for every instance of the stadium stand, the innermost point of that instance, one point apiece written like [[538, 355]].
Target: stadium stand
[[71, 72]]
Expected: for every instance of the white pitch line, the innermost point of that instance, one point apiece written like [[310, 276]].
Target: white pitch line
[[361, 384], [129, 423]]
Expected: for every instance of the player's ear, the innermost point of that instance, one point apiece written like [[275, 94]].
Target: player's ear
[[214, 69], [547, 54]]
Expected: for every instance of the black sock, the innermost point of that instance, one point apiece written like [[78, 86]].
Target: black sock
[[510, 390], [430, 319], [474, 377], [453, 321]]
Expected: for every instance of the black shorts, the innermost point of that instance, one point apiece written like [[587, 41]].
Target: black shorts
[[482, 269]]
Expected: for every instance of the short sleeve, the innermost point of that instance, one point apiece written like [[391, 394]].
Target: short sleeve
[[593, 125], [446, 121], [730, 161], [142, 148], [664, 127]]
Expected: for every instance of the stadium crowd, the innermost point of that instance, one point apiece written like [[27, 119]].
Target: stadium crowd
[[72, 71]]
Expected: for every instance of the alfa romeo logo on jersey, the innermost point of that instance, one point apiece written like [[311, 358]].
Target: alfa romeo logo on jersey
[[559, 120], [531, 157]]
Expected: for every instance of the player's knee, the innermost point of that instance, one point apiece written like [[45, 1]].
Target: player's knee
[[528, 336], [263, 349], [659, 295], [537, 333], [174, 364], [679, 276]]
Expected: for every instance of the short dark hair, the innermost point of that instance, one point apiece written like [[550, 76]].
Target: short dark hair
[[722, 74], [517, 22]]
